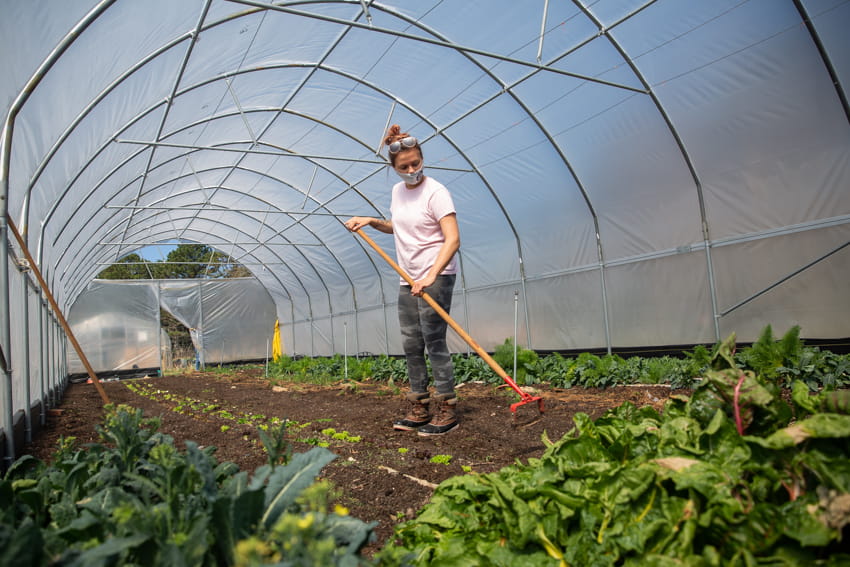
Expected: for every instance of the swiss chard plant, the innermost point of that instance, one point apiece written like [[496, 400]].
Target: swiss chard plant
[[733, 475], [526, 361]]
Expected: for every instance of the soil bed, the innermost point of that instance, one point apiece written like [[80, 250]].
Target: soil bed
[[386, 476]]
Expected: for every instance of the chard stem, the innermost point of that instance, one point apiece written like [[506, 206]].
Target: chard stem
[[739, 424], [648, 507], [602, 528]]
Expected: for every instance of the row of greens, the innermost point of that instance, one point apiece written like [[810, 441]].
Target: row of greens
[[732, 475], [286, 429], [782, 360], [135, 499]]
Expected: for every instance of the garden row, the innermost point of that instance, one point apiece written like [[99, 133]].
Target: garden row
[[781, 360], [272, 432], [206, 411]]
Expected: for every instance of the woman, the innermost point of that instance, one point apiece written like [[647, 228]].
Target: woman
[[424, 225]]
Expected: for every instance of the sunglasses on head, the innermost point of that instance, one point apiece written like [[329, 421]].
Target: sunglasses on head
[[403, 144]]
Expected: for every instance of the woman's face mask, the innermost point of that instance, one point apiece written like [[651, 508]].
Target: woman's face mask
[[412, 178]]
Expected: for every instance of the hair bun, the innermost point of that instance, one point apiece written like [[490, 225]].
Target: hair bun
[[393, 134]]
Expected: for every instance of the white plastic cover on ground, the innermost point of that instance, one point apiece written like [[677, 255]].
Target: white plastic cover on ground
[[633, 172], [117, 322]]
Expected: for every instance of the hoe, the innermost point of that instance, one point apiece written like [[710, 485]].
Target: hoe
[[525, 398]]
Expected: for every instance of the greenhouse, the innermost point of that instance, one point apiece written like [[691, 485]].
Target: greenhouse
[[627, 176]]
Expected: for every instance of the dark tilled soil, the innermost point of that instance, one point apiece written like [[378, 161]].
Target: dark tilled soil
[[385, 477]]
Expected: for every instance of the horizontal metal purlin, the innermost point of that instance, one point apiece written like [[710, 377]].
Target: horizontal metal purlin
[[276, 154], [215, 244], [730, 241], [786, 230], [156, 263], [223, 209]]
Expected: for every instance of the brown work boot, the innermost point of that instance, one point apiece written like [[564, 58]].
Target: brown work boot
[[445, 417], [417, 415]]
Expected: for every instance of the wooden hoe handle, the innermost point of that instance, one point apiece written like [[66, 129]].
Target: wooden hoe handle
[[56, 311]]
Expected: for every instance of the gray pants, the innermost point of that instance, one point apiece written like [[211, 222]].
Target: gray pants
[[421, 328]]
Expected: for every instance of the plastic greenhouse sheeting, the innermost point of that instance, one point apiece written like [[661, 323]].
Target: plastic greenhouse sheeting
[[117, 326], [626, 172], [117, 322]]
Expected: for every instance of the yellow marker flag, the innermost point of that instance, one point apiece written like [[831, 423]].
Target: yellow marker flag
[[277, 349]]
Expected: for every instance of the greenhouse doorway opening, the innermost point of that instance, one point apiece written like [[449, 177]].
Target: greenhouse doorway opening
[[181, 352]]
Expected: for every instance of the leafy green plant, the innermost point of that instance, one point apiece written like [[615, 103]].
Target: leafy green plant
[[767, 355], [726, 476], [699, 359], [389, 369], [441, 459], [592, 371], [554, 369], [787, 359], [360, 368], [526, 361], [749, 398], [347, 437], [341, 435], [817, 369], [473, 369], [276, 443], [136, 499]]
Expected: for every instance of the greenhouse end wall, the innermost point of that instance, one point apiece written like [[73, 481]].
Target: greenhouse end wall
[[117, 322]]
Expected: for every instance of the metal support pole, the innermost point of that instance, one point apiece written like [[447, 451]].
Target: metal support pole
[[357, 347], [48, 358], [604, 293], [54, 361], [159, 325], [292, 324], [42, 360], [25, 358], [542, 31], [201, 355], [516, 314], [63, 358], [57, 365], [6, 339], [712, 290]]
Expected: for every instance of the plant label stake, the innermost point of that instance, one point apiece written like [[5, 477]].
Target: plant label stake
[[525, 398]]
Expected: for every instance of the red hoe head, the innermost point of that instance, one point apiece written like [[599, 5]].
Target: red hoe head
[[527, 399]]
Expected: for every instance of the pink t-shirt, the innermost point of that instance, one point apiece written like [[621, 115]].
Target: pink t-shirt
[[416, 215]]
